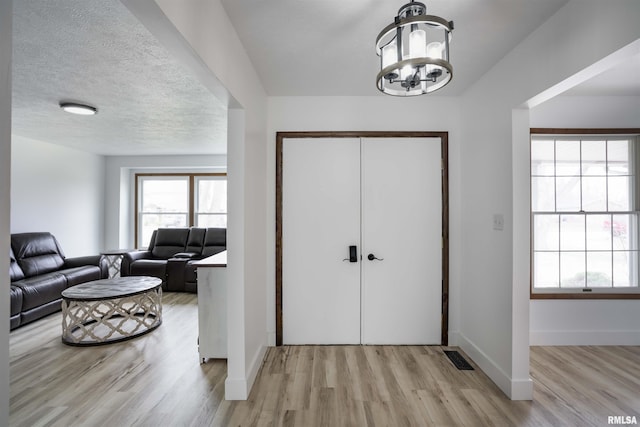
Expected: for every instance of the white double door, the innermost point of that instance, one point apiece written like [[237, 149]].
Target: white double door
[[384, 196]]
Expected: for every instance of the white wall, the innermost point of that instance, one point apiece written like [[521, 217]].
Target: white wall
[[587, 112], [495, 165], [200, 33], [585, 322], [60, 190], [593, 322], [5, 199], [120, 188], [375, 113]]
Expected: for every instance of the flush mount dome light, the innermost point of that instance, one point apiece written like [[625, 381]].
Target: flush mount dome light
[[82, 109]]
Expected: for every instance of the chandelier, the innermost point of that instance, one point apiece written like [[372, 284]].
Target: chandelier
[[414, 52]]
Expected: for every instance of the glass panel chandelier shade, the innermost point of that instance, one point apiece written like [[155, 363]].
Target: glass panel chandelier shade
[[414, 53]]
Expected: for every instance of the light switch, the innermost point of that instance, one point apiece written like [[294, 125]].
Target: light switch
[[498, 222]]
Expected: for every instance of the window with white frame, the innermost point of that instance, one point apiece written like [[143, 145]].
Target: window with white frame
[[179, 200], [584, 214]]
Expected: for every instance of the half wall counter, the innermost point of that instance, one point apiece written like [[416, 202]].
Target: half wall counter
[[212, 307]]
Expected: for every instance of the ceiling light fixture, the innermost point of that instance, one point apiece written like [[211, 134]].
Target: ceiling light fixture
[[414, 52], [82, 109]]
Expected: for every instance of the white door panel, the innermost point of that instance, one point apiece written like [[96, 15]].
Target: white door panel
[[384, 196], [402, 224], [321, 219]]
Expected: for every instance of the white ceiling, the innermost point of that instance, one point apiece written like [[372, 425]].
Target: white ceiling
[[327, 47], [622, 80], [95, 51]]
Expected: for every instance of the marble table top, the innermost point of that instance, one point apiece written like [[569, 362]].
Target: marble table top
[[116, 287]]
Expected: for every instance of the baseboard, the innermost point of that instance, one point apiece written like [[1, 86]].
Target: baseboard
[[235, 389], [521, 389], [256, 364], [515, 389], [601, 337], [239, 388]]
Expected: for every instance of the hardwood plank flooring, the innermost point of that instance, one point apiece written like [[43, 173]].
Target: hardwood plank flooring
[[156, 380]]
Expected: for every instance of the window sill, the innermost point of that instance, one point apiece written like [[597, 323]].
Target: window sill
[[585, 295]]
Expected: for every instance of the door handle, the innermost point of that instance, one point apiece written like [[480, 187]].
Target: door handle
[[372, 257], [353, 254]]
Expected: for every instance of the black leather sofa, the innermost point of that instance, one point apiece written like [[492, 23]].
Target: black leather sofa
[[39, 273], [171, 255]]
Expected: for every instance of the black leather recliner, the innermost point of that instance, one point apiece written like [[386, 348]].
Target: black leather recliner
[[39, 273], [171, 254], [164, 244], [181, 270]]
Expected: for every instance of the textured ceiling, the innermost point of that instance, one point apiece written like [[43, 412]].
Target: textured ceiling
[[96, 52]]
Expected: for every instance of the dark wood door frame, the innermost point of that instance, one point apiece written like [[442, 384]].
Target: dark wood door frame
[[444, 138]]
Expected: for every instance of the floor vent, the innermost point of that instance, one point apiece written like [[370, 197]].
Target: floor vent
[[459, 361]]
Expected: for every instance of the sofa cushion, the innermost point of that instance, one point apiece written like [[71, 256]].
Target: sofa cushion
[[16, 300], [195, 240], [40, 311], [78, 275], [37, 253], [149, 267], [15, 272], [14, 321], [169, 241], [41, 289], [215, 241]]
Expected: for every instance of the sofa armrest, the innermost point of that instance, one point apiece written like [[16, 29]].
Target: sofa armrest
[[136, 255], [129, 257], [97, 260]]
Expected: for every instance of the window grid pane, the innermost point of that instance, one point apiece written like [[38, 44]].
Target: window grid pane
[[572, 269], [543, 194], [598, 269], [567, 158], [572, 233], [211, 195], [546, 235], [618, 157], [164, 195], [623, 268], [619, 188], [598, 229], [568, 194], [594, 158], [594, 193], [587, 247], [211, 220], [543, 158], [547, 269]]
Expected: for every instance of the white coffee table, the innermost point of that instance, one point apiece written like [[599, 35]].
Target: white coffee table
[[111, 310]]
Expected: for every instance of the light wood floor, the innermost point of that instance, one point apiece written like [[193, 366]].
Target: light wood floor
[[156, 380]]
